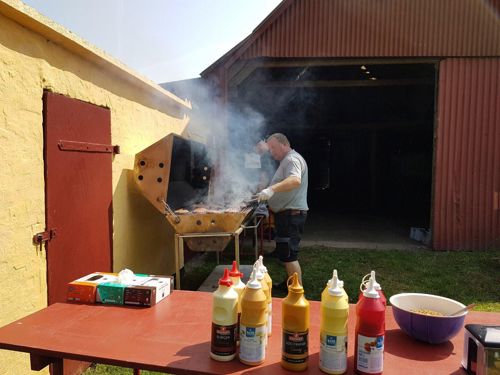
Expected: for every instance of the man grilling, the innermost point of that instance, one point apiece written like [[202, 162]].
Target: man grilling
[[287, 198]]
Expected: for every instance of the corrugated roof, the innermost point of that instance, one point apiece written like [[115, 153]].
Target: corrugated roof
[[367, 28]]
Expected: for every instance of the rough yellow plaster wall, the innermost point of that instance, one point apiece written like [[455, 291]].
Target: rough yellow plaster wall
[[142, 240]]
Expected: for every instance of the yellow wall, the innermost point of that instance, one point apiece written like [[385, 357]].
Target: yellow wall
[[29, 63]]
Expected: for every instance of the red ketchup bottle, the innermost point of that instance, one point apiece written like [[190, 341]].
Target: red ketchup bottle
[[370, 333]]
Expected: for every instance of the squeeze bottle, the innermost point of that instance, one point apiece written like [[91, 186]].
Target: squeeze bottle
[[295, 325], [340, 284], [238, 286], [333, 329], [253, 335], [269, 283], [224, 320], [377, 286], [370, 332]]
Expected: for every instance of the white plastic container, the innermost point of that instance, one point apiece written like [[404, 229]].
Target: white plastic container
[[224, 320]]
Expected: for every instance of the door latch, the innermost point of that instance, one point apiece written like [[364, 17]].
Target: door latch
[[42, 237]]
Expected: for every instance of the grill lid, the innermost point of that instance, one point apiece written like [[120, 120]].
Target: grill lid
[[175, 171]]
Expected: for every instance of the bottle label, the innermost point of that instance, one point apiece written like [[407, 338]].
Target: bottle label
[[295, 346], [333, 352], [252, 343], [370, 354], [223, 339]]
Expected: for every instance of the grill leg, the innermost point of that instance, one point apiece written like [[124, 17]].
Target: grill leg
[[255, 238], [177, 266], [237, 248], [217, 257]]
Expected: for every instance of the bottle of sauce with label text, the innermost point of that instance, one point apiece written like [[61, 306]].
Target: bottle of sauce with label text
[[253, 336], [224, 320], [269, 283], [370, 333], [238, 286], [333, 329], [295, 325]]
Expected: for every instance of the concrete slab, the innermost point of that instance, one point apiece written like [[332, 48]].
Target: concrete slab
[[211, 282]]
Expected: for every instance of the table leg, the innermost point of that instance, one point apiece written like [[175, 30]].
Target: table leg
[[137, 371], [39, 362]]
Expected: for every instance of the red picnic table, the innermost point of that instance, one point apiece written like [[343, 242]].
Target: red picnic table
[[174, 337]]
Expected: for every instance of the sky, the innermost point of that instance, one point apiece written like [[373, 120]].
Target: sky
[[163, 40]]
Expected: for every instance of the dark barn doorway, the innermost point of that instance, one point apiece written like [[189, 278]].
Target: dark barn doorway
[[366, 131]]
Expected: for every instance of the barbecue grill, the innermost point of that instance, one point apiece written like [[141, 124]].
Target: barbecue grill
[[174, 175]]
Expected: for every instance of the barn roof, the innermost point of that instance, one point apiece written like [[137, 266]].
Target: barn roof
[[367, 28]]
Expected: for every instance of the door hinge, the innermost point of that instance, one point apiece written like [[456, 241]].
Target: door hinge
[[40, 238]]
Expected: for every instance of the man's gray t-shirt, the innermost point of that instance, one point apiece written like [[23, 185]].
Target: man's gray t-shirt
[[293, 164]]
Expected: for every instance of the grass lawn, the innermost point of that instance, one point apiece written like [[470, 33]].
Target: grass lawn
[[468, 277]]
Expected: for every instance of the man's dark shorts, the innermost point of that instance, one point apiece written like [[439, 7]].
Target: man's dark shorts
[[289, 226]]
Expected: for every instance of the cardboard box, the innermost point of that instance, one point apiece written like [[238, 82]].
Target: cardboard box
[[148, 292], [84, 289], [111, 293]]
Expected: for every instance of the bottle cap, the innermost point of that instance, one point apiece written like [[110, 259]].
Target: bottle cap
[[335, 274], [375, 284], [234, 271], [370, 291], [262, 267], [334, 289], [225, 280], [253, 283], [294, 286], [257, 266]]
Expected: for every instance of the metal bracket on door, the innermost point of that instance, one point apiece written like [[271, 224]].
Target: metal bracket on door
[[88, 147], [40, 238]]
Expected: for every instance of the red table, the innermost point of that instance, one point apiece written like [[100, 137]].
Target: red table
[[174, 336]]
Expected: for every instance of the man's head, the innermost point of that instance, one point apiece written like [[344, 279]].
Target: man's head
[[278, 145]]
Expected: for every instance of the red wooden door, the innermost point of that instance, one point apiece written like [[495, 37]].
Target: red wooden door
[[78, 191]]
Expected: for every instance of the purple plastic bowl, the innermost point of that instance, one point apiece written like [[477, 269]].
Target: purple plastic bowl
[[431, 329]]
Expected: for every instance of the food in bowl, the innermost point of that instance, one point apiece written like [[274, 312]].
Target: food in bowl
[[427, 312], [435, 329]]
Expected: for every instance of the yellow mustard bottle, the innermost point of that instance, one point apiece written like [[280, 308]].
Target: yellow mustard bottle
[[238, 286], [269, 282], [224, 320], [295, 325], [253, 335], [333, 328]]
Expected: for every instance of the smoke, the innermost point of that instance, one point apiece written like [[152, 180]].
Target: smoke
[[236, 180], [230, 133]]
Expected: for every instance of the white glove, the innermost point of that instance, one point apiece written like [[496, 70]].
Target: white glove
[[265, 194]]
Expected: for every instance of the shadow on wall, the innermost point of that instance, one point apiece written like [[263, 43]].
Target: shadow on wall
[[143, 240]]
